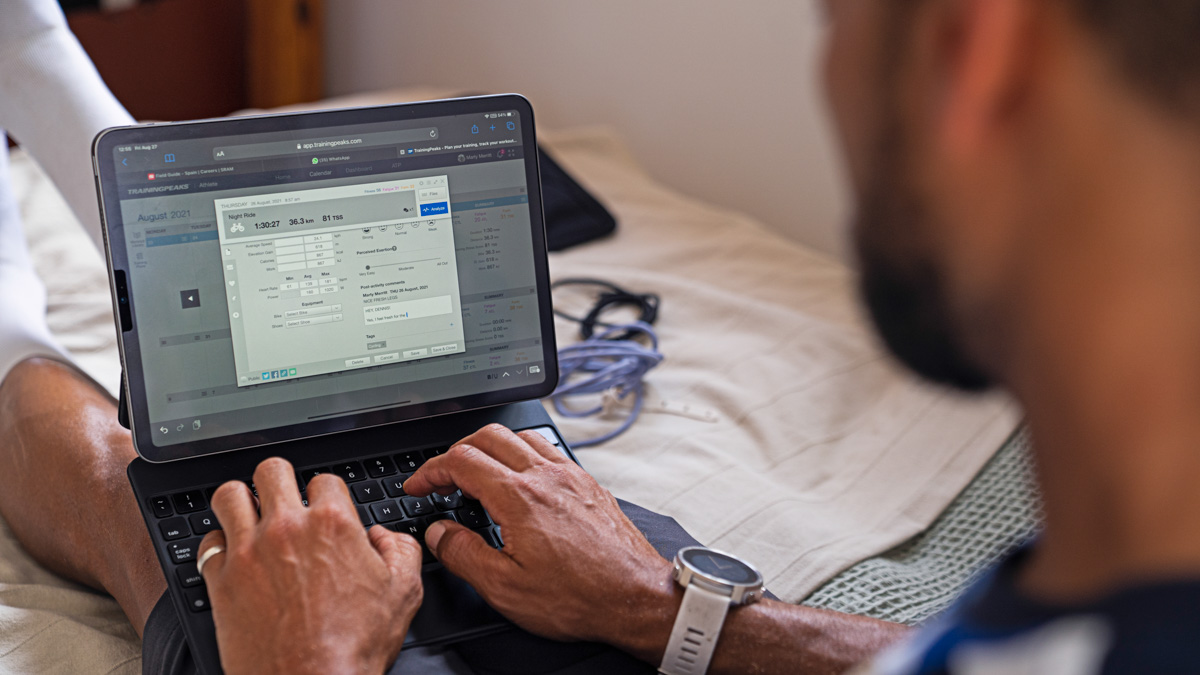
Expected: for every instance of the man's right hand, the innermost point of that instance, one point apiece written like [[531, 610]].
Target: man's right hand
[[573, 567]]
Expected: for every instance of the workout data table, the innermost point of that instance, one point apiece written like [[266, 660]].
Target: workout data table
[[332, 279]]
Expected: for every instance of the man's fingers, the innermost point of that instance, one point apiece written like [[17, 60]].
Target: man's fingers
[[275, 480], [400, 552], [402, 555], [543, 447], [467, 468], [468, 556], [233, 504], [499, 442], [326, 487], [214, 563]]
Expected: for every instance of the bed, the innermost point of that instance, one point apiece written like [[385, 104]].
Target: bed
[[776, 428]]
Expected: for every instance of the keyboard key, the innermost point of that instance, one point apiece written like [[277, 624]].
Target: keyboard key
[[417, 506], [430, 454], [250, 484], [189, 576], [367, 492], [473, 516], [183, 551], [350, 471], [197, 599], [363, 515], [203, 523], [387, 511], [308, 474], [441, 516], [395, 485], [447, 502], [174, 528], [410, 461], [380, 467], [187, 502], [490, 537], [161, 506], [413, 528]]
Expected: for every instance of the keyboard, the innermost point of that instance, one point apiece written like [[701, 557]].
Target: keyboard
[[376, 486]]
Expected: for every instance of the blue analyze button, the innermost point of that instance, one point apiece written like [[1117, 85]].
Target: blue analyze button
[[438, 209]]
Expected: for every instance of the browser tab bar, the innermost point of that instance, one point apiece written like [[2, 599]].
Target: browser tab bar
[[347, 142]]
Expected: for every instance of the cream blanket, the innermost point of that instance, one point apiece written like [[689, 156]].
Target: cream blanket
[[775, 429]]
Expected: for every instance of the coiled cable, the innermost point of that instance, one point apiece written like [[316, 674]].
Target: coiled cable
[[611, 367]]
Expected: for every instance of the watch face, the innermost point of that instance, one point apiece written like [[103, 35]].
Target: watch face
[[720, 566]]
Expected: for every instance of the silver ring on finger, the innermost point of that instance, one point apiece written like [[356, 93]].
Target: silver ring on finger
[[206, 556]]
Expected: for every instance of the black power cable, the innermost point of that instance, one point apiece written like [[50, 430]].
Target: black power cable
[[647, 304]]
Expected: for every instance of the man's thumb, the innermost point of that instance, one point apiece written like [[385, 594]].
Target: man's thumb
[[465, 553]]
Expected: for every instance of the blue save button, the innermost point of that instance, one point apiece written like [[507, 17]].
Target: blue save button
[[437, 209]]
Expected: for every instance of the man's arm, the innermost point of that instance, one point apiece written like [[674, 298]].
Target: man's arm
[[769, 637], [574, 567]]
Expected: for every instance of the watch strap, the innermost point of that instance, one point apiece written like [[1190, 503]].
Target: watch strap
[[697, 627]]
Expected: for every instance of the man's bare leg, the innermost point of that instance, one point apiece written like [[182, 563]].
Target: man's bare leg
[[64, 492]]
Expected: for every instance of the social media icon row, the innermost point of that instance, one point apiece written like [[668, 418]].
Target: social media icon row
[[278, 374]]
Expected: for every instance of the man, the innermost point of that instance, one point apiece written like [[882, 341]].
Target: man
[[1028, 217]]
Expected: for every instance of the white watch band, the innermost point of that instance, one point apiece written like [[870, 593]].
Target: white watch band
[[696, 630]]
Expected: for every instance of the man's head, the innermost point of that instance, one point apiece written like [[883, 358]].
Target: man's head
[[977, 132]]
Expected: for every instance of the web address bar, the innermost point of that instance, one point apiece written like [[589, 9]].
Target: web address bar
[[326, 144]]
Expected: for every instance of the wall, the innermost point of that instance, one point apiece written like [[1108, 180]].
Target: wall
[[718, 99], [198, 64]]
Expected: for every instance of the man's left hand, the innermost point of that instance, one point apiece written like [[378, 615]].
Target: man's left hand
[[306, 590]]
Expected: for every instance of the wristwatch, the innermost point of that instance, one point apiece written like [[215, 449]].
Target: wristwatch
[[713, 582]]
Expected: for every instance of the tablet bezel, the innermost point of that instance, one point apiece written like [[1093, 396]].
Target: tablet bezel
[[116, 253]]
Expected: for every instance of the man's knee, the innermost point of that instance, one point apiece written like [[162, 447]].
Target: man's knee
[[41, 383], [32, 377]]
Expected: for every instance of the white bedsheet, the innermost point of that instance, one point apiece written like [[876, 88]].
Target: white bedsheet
[[815, 450], [776, 428]]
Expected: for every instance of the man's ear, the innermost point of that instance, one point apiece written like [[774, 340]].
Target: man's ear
[[983, 55]]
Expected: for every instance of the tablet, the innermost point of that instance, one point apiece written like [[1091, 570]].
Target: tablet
[[287, 276]]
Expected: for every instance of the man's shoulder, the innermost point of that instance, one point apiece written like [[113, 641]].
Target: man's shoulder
[[1153, 627]]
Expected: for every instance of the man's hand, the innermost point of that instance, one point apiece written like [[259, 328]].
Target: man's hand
[[306, 590], [573, 567]]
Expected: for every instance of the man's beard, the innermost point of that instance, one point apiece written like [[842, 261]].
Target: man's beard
[[901, 286]]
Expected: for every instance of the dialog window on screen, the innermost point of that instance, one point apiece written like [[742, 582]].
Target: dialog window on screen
[[332, 279]]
